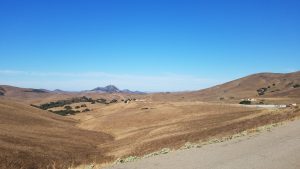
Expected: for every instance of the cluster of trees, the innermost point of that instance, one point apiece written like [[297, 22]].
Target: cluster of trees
[[86, 110], [296, 85], [68, 109], [65, 112], [62, 103], [262, 91], [113, 101], [127, 100], [245, 102]]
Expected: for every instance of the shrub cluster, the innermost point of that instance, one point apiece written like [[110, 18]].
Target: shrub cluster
[[296, 85], [261, 91], [68, 109], [113, 101], [128, 100], [86, 110], [245, 102], [65, 112], [62, 103]]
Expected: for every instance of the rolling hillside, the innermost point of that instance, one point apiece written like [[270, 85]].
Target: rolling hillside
[[262, 85], [35, 138], [248, 86], [31, 138]]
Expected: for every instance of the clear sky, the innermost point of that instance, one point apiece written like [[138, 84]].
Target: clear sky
[[148, 45]]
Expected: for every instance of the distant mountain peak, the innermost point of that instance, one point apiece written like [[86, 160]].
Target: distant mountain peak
[[58, 91], [114, 89], [111, 87], [107, 89]]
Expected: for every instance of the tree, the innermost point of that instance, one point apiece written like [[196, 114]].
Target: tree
[[68, 107], [245, 102], [296, 85]]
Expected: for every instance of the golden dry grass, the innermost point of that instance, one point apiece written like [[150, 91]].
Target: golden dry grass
[[31, 138], [245, 87], [34, 138], [139, 131]]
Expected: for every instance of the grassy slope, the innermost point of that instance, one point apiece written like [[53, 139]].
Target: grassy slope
[[245, 87], [32, 138], [139, 131]]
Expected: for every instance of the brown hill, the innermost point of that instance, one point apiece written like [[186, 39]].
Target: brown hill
[[23, 94], [262, 85], [250, 86], [31, 138]]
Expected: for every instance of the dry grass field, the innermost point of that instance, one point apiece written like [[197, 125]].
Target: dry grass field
[[277, 85], [141, 128], [34, 138]]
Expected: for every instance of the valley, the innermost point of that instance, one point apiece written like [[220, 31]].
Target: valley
[[41, 128]]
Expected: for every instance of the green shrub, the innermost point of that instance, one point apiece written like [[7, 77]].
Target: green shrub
[[296, 85], [86, 110], [68, 107], [114, 101], [261, 91], [65, 112], [245, 102]]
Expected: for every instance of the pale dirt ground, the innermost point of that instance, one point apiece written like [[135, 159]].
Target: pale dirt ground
[[278, 149]]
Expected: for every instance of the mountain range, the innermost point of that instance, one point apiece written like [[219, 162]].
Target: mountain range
[[113, 89]]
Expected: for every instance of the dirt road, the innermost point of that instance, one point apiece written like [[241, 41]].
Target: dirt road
[[278, 149]]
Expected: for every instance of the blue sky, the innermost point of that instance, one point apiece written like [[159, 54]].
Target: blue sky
[[149, 45]]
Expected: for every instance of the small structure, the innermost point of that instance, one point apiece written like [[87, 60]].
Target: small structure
[[269, 106], [282, 106], [140, 100]]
